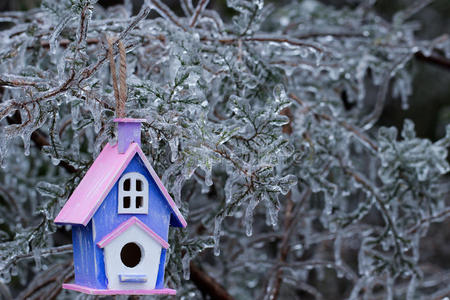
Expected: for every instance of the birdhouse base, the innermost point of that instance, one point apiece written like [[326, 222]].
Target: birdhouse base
[[93, 291]]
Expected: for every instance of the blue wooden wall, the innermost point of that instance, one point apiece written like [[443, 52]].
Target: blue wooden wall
[[86, 272]]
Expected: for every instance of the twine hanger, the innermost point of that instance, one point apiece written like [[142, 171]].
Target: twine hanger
[[120, 91]]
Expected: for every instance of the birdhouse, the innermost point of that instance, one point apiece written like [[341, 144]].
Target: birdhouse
[[120, 215]]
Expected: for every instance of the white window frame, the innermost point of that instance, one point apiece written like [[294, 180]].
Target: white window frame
[[133, 194]]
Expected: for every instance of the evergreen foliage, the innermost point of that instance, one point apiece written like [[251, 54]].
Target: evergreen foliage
[[260, 128]]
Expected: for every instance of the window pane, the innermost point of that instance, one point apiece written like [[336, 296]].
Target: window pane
[[126, 184], [139, 201], [138, 185], [126, 202]]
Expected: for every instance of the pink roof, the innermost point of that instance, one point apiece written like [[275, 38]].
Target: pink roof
[[98, 181], [124, 226]]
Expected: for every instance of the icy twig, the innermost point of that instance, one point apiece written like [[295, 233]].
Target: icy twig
[[198, 11], [273, 38], [166, 13], [384, 210], [48, 284], [291, 211], [207, 284], [187, 7], [367, 141], [443, 214], [411, 10], [43, 252]]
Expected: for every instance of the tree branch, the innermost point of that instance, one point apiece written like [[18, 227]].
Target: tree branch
[[48, 284], [49, 251], [275, 39], [198, 11], [367, 141], [443, 214], [434, 59], [208, 285], [40, 140], [166, 13]]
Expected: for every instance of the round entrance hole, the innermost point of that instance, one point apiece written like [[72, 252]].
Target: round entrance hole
[[131, 255]]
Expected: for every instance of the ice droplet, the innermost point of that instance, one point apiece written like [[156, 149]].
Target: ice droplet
[[208, 177], [229, 187], [337, 250], [217, 225], [26, 143], [271, 212], [174, 143], [249, 215], [186, 266], [37, 258], [411, 288], [55, 161]]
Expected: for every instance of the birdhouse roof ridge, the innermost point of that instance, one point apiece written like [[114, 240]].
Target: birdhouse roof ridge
[[98, 181], [127, 224]]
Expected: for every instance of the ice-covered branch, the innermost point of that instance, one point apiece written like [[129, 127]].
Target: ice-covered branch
[[243, 114]]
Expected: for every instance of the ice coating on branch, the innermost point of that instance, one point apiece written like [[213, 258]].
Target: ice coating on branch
[[240, 112], [57, 31]]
